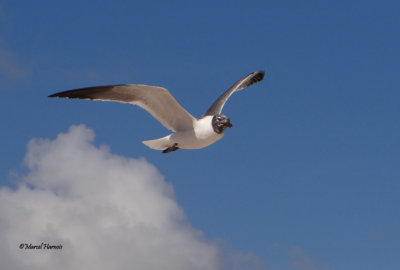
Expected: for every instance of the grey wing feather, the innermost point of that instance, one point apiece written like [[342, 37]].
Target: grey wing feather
[[156, 100], [246, 81]]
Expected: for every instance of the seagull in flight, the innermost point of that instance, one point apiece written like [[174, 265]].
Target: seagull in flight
[[188, 132]]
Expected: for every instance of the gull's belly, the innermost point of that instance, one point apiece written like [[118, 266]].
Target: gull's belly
[[191, 140], [201, 136]]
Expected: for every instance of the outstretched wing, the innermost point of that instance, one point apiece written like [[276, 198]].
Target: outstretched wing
[[158, 101], [250, 79]]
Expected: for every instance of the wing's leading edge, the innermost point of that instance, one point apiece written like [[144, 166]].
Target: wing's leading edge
[[246, 81], [158, 101]]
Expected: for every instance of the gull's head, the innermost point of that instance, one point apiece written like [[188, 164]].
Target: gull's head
[[220, 122]]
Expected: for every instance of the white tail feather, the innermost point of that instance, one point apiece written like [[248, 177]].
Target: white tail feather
[[159, 144]]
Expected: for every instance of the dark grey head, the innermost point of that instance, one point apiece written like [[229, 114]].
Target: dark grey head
[[220, 122]]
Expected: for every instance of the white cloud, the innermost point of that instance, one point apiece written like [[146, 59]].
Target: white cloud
[[107, 212]]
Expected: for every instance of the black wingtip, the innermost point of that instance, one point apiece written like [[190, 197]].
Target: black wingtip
[[251, 79], [259, 75], [58, 94], [82, 93]]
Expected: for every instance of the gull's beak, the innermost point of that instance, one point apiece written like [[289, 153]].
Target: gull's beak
[[229, 125]]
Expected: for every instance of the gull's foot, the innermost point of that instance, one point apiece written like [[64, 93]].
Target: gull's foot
[[171, 148]]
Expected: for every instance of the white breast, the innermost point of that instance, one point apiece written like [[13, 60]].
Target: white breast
[[201, 136]]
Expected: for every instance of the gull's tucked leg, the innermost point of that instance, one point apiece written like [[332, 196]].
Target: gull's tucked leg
[[171, 148]]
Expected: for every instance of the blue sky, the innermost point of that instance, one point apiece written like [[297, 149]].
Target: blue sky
[[308, 178]]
